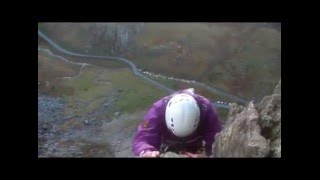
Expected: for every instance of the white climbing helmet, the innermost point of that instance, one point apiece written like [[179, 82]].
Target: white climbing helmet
[[182, 115]]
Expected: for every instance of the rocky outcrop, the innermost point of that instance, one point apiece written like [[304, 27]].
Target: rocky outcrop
[[252, 131], [114, 38]]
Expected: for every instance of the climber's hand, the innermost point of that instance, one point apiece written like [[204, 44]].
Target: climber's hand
[[150, 154], [194, 155]]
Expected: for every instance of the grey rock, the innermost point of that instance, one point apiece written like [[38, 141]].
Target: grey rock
[[116, 114], [45, 127], [73, 148], [270, 122], [277, 90], [252, 131], [67, 117], [242, 138]]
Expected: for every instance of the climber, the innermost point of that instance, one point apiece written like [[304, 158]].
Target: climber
[[183, 122]]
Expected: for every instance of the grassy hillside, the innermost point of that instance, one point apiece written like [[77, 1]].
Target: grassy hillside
[[244, 59], [88, 91]]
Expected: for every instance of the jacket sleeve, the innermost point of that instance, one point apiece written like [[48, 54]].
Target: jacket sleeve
[[148, 136], [213, 126]]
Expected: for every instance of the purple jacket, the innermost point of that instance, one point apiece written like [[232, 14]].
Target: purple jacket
[[153, 131]]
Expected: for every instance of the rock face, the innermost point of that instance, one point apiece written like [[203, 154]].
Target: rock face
[[114, 38], [252, 131]]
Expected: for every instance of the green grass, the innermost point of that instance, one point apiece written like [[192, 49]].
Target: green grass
[[95, 104], [137, 94], [84, 84], [50, 67]]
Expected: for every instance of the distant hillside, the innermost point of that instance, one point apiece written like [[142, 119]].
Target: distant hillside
[[244, 59]]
